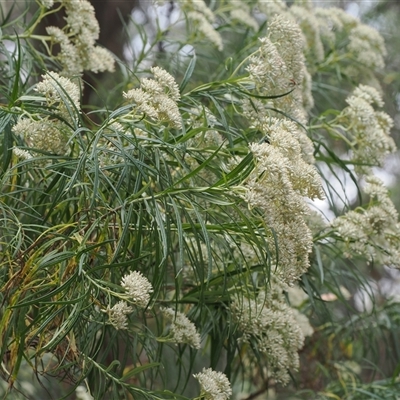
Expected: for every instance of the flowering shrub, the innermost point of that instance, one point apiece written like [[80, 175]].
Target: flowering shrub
[[172, 231]]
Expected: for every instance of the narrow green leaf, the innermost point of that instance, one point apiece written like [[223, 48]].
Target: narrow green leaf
[[188, 73]]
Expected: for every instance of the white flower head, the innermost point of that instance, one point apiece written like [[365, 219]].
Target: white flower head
[[310, 27], [297, 296], [118, 315], [181, 328], [281, 178], [205, 28], [367, 46], [243, 16], [81, 16], [199, 6], [278, 67], [20, 153], [82, 393], [267, 68], [167, 81], [60, 92], [368, 129], [369, 94], [157, 98], [373, 232], [289, 40], [68, 56], [45, 135], [303, 322], [47, 3], [138, 287], [272, 7], [77, 40], [333, 20], [375, 187], [214, 385], [100, 60], [271, 323]]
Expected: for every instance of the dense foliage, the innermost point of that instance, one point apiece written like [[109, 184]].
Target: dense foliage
[[177, 232]]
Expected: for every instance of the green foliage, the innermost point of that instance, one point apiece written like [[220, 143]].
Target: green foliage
[[168, 231]]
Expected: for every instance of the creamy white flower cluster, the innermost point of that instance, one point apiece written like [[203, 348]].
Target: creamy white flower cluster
[[200, 19], [368, 130], [82, 393], [23, 154], [118, 315], [305, 15], [267, 68], [289, 42], [45, 135], [281, 179], [157, 98], [138, 290], [61, 94], [242, 14], [278, 67], [47, 3], [77, 40], [303, 31], [181, 329], [277, 186], [309, 25], [213, 385], [367, 46], [283, 176], [274, 325], [327, 29], [272, 7], [372, 232], [48, 134], [332, 22], [303, 322]]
